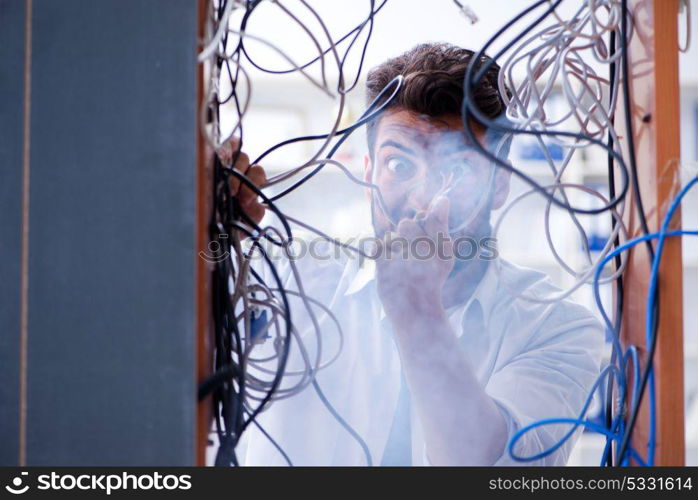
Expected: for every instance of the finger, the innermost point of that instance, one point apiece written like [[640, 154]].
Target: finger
[[242, 164], [255, 211], [234, 143], [225, 151], [437, 219], [409, 228], [383, 251], [257, 176]]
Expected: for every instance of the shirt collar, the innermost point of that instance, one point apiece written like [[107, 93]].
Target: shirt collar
[[485, 294]]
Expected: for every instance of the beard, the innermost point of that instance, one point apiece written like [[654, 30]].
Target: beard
[[477, 232], [474, 233]]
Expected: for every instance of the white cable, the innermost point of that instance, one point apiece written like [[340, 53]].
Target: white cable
[[212, 45]]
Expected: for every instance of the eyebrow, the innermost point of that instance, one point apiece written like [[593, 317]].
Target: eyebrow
[[397, 145]]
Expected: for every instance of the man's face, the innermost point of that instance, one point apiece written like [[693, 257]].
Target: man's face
[[417, 159]]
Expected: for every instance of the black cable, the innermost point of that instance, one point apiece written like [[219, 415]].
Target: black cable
[[209, 384], [367, 115], [283, 358], [371, 112], [325, 52], [365, 48], [228, 394], [228, 381], [608, 413], [470, 108], [267, 201], [645, 228], [230, 439], [629, 124], [227, 340], [274, 443], [316, 385], [227, 208]]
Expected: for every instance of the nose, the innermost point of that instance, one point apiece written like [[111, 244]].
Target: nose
[[421, 194]]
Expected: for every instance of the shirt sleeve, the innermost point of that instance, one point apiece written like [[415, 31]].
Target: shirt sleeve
[[550, 378]]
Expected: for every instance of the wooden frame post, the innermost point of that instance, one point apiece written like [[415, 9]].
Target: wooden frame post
[[204, 208], [654, 91]]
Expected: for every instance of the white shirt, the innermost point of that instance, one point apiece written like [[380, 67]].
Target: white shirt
[[534, 360]]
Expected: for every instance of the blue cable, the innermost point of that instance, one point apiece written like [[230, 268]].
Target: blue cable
[[654, 274], [651, 293], [618, 420], [576, 421], [631, 352]]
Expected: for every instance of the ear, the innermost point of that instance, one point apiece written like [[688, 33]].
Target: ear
[[368, 176], [502, 178]]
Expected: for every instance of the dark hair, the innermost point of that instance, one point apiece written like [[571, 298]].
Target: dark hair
[[433, 85]]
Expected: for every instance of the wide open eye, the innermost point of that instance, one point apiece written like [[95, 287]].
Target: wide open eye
[[401, 168], [459, 168]]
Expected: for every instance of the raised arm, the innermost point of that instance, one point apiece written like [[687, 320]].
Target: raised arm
[[462, 424]]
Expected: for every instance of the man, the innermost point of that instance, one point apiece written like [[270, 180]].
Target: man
[[442, 361]]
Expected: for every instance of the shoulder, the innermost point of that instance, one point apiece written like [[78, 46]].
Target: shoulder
[[311, 258], [541, 312]]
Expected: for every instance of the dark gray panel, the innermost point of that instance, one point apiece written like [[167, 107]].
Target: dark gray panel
[[111, 310], [11, 118]]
